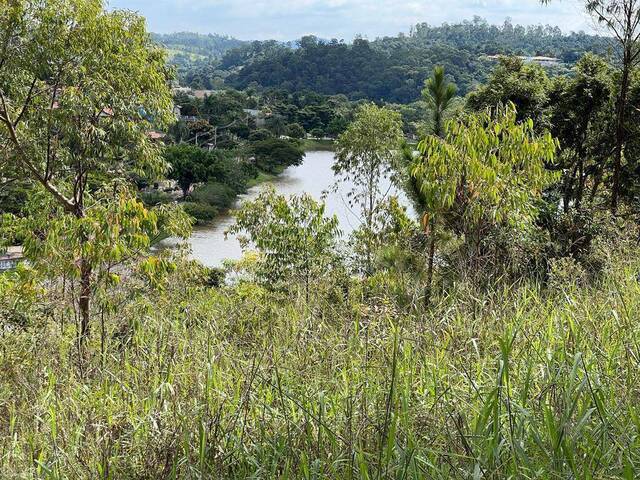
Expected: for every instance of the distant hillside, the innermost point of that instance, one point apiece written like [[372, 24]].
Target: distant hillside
[[196, 45], [392, 69]]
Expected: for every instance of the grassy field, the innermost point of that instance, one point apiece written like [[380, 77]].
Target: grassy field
[[241, 383]]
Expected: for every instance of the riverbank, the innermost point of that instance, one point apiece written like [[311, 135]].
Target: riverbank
[[316, 144], [211, 246]]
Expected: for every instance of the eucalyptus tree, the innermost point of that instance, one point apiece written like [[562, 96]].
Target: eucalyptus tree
[[81, 87], [365, 155]]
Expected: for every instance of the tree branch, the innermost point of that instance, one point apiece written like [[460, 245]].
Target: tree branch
[[67, 204]]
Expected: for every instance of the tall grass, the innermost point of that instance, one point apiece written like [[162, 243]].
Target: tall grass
[[237, 383]]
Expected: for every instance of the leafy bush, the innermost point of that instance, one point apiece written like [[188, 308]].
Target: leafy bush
[[201, 212], [155, 197], [214, 194], [274, 154], [295, 130], [260, 134]]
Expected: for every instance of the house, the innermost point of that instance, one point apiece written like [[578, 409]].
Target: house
[[202, 94], [539, 60], [156, 136], [177, 111], [544, 61], [10, 259]]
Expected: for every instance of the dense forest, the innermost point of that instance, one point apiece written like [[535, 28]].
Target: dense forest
[[392, 69], [482, 323]]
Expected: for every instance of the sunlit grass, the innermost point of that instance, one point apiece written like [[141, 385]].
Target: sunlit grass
[[516, 383]]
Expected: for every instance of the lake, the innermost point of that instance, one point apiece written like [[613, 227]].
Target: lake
[[314, 176]]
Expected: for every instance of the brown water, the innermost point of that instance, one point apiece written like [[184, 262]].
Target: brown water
[[314, 176]]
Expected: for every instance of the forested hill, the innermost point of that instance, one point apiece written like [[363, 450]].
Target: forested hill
[[196, 45], [394, 68], [391, 68]]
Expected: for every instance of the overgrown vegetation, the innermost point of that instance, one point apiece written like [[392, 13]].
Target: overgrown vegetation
[[492, 335]]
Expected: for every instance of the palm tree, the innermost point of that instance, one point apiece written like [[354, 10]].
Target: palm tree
[[438, 93]]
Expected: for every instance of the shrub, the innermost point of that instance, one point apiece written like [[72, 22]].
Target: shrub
[[259, 135], [201, 212], [155, 197], [214, 194]]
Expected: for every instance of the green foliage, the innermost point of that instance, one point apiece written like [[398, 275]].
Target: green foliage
[[295, 130], [274, 155], [95, 100], [365, 153], [153, 198], [581, 109], [14, 195], [75, 116], [438, 94], [293, 236], [260, 135], [113, 236], [513, 81], [215, 194], [489, 168], [205, 45], [246, 383], [189, 165], [202, 213], [394, 68]]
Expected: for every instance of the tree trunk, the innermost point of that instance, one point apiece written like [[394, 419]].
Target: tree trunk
[[620, 131], [581, 180], [429, 288], [84, 301], [369, 220]]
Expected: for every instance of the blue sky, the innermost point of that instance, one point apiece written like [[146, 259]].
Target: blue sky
[[342, 19]]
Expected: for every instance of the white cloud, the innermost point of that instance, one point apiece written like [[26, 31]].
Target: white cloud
[[290, 19]]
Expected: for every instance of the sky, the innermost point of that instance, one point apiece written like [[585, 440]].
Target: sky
[[342, 19]]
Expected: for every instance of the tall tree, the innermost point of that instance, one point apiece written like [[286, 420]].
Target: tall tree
[[188, 165], [80, 87], [581, 118], [365, 154], [622, 19], [438, 93], [524, 85]]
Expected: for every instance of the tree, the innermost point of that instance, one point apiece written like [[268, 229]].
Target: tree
[[295, 130], [364, 156], [488, 170], [273, 154], [294, 237], [581, 118], [438, 94], [76, 113], [514, 81], [188, 165], [622, 19]]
